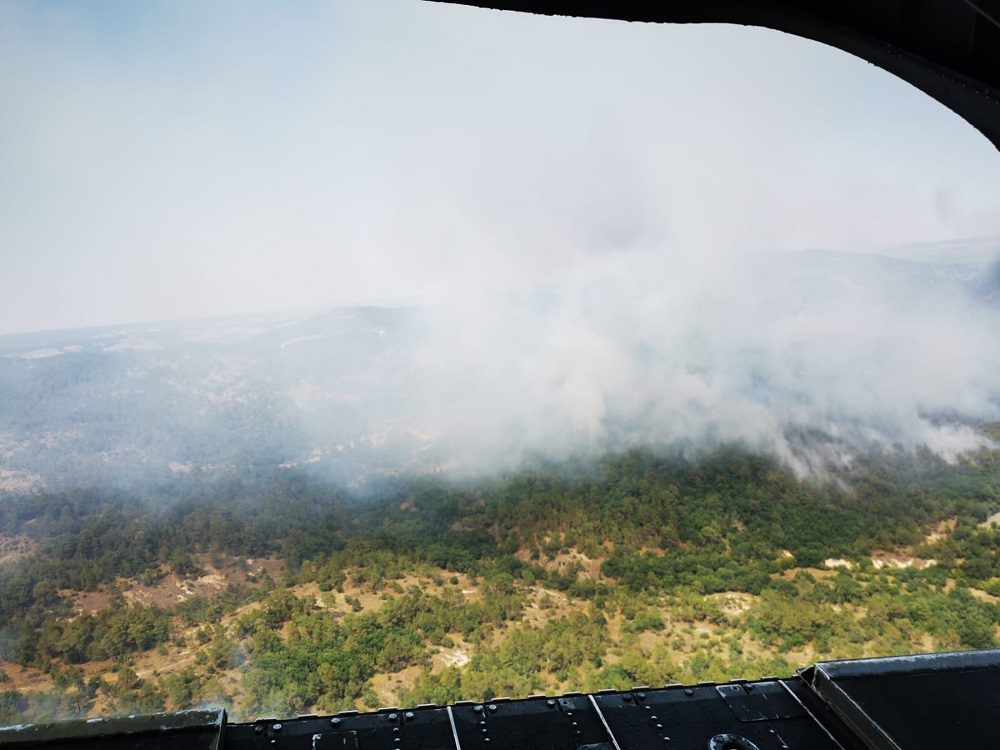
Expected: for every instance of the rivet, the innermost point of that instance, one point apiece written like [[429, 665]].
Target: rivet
[[659, 726], [641, 696], [409, 715], [335, 721], [550, 702], [478, 708], [258, 729], [653, 717], [493, 707], [276, 727], [393, 717], [688, 691], [627, 697]]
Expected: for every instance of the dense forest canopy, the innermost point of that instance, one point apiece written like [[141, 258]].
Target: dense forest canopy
[[638, 568]]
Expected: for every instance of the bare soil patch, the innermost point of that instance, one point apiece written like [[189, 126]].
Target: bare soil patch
[[14, 548], [172, 589]]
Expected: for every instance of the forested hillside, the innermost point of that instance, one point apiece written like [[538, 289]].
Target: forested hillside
[[279, 594]]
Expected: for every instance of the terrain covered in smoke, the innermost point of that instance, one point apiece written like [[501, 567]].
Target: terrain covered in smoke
[[238, 512], [813, 358]]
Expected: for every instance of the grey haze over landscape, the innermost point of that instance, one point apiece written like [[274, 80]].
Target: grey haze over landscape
[[502, 238], [815, 358]]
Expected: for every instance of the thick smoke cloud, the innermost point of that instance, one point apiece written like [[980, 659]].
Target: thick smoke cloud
[[815, 358], [812, 357], [591, 226]]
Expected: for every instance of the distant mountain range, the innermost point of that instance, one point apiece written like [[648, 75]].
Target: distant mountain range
[[356, 393], [108, 404]]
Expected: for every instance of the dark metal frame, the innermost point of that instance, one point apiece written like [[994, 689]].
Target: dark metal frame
[[949, 49], [818, 709]]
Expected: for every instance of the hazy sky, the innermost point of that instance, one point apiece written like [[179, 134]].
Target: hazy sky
[[187, 159]]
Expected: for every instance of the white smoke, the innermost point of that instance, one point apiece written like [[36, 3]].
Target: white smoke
[[811, 357], [594, 217]]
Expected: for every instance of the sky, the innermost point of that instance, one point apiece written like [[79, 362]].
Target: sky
[[189, 159]]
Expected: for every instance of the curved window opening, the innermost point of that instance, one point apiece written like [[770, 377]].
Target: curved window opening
[[390, 354]]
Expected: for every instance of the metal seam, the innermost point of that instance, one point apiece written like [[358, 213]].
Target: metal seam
[[983, 13], [604, 721], [454, 729], [811, 714]]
